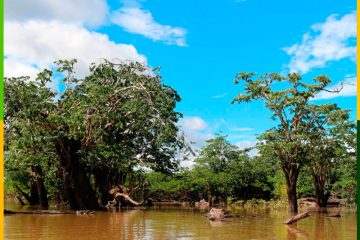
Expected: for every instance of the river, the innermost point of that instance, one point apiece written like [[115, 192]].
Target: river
[[178, 223]]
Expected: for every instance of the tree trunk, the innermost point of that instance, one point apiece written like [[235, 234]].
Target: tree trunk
[[40, 186], [103, 186], [291, 180], [321, 196], [292, 199], [77, 187], [32, 198], [34, 195], [20, 200]]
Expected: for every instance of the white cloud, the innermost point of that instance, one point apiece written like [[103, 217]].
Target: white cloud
[[196, 131], [220, 95], [193, 123], [40, 43], [245, 144], [138, 21], [14, 68], [91, 12], [329, 41], [248, 144], [348, 89], [187, 164]]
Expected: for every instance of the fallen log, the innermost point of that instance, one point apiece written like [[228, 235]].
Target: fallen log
[[128, 198], [48, 212], [36, 212], [297, 217], [118, 195]]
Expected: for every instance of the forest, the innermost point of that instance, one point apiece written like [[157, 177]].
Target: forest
[[113, 139]]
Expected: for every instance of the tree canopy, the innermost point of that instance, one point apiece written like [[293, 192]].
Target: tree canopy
[[298, 120], [119, 117]]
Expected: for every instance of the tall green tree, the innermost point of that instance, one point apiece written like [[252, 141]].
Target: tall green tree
[[291, 109], [333, 142], [100, 128]]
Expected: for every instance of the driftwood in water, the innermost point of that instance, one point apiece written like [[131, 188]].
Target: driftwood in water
[[218, 214], [84, 212], [120, 193], [202, 204], [127, 198], [48, 212], [297, 217]]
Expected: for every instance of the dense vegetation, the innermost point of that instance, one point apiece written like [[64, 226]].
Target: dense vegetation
[[220, 178], [306, 134], [221, 172], [118, 127], [90, 137]]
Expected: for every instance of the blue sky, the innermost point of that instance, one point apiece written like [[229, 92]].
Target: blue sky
[[200, 46]]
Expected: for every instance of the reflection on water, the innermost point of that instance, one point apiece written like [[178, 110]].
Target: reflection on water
[[178, 223]]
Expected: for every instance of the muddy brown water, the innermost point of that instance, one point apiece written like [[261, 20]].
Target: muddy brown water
[[170, 222]]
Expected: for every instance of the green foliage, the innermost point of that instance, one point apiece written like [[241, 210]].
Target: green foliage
[[121, 117], [278, 182], [221, 172], [345, 187], [28, 143], [305, 133], [124, 116], [305, 184]]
